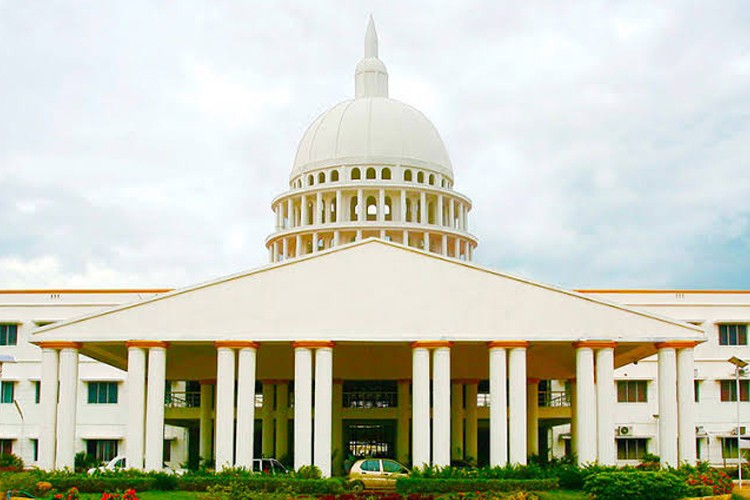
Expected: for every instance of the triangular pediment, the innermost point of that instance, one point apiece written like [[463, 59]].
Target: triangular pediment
[[371, 291]]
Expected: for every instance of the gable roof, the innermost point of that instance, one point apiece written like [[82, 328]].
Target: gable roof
[[371, 290]]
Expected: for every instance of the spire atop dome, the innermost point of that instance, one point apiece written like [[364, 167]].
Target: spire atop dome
[[371, 39], [371, 77]]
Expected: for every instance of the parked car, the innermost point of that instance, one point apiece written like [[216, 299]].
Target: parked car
[[269, 466], [120, 463], [375, 474]]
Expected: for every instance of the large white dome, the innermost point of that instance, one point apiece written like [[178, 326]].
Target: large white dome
[[372, 130]]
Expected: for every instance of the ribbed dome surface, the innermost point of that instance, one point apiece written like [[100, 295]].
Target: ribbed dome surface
[[372, 129]]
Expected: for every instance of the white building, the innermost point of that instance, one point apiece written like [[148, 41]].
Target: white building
[[414, 353]]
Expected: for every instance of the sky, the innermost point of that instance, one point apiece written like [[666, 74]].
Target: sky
[[604, 144]]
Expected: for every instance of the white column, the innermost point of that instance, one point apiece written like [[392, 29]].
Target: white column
[[498, 407], [298, 246], [441, 406], [48, 403], [686, 405], [318, 208], [586, 404], [444, 244], [452, 213], [224, 412], [290, 213], [362, 215], [157, 370], [303, 210], [605, 404], [402, 218], [668, 406], [136, 406], [66, 409], [517, 447], [323, 408], [470, 448], [439, 210], [302, 406], [339, 208], [381, 205], [457, 248], [457, 420], [423, 208], [246, 406], [204, 450], [420, 408]]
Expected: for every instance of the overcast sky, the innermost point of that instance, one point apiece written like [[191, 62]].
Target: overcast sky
[[604, 144]]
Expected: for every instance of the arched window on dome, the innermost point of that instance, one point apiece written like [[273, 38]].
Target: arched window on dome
[[445, 183], [386, 174], [321, 178], [420, 177], [310, 180], [372, 208], [356, 174], [353, 208], [431, 180], [407, 176], [371, 174], [334, 176], [388, 208]]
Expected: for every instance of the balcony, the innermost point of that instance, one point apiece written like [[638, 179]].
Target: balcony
[[370, 399]]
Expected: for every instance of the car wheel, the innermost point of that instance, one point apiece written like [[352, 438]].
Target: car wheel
[[357, 486]]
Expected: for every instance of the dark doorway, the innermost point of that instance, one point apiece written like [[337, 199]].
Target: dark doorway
[[370, 438]]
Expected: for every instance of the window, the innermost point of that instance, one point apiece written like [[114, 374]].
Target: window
[[7, 390], [310, 180], [631, 449], [167, 450], [632, 391], [356, 174], [420, 177], [697, 390], [102, 392], [8, 334], [335, 176], [386, 174], [729, 447], [732, 334], [370, 173], [35, 449], [6, 446], [729, 390], [103, 449], [321, 178], [391, 466], [370, 465], [407, 176]]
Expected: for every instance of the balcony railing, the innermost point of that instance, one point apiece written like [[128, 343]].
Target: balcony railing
[[370, 399], [182, 399], [554, 399]]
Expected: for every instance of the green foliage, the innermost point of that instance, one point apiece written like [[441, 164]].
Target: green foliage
[[308, 472], [164, 481], [10, 462], [252, 487], [411, 485], [649, 462], [19, 480], [705, 475], [83, 462], [616, 485]]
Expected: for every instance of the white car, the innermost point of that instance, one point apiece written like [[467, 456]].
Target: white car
[[120, 463]]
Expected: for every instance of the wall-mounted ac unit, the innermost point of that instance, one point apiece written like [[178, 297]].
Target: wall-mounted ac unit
[[743, 430], [625, 430]]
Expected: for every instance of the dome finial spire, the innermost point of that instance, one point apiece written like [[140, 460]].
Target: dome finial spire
[[371, 39], [371, 77]]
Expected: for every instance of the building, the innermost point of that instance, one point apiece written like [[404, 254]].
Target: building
[[413, 352]]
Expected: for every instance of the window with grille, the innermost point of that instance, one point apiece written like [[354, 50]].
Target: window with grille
[[632, 391], [7, 392], [732, 334], [8, 334], [729, 390], [103, 449], [631, 449], [102, 393], [729, 447]]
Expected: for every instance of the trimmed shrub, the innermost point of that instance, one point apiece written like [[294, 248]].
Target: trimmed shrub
[[661, 485], [705, 475], [25, 481], [11, 462], [410, 485]]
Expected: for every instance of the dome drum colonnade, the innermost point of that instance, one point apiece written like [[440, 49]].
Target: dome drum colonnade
[[317, 434], [371, 167]]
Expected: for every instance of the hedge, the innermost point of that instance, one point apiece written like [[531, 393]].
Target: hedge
[[662, 485], [410, 485], [245, 486]]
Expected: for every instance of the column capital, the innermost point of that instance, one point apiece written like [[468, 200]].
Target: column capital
[[676, 344], [146, 343], [508, 344], [595, 344], [59, 344], [313, 344], [236, 344], [431, 344]]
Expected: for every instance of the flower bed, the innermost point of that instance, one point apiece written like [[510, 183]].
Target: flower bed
[[411, 485]]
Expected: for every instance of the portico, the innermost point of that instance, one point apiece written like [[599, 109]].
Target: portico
[[433, 341]]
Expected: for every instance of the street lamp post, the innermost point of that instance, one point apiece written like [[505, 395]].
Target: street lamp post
[[738, 365]]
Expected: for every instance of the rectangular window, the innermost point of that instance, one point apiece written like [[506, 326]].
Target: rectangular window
[[35, 449], [632, 391], [729, 447], [167, 450], [37, 391], [732, 334], [102, 392], [7, 390], [103, 449], [729, 390], [631, 449], [697, 390], [6, 446], [8, 334]]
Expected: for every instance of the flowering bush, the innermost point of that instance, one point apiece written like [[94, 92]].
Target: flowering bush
[[129, 494], [71, 494], [705, 475]]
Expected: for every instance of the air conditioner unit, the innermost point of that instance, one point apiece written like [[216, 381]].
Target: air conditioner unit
[[743, 430], [625, 430]]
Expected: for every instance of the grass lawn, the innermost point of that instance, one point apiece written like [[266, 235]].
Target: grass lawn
[[562, 495], [152, 495]]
